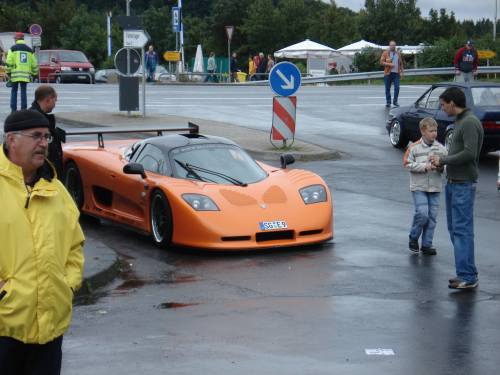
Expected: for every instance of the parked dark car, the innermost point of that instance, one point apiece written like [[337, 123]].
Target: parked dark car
[[481, 97], [59, 65]]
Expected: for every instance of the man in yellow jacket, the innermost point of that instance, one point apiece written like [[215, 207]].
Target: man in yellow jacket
[[21, 65], [41, 250]]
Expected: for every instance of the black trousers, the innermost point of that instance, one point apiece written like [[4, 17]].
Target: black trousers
[[18, 358]]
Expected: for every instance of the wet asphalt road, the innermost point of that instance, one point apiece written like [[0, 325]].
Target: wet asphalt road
[[313, 310]]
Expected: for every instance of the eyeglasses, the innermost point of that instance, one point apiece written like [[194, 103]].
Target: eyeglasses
[[38, 136]]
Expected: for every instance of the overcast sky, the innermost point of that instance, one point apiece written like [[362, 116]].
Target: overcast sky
[[463, 9]]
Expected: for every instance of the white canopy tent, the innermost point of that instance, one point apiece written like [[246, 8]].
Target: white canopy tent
[[353, 48], [313, 52]]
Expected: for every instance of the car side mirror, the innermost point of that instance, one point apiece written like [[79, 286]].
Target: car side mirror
[[134, 168], [286, 159], [53, 60]]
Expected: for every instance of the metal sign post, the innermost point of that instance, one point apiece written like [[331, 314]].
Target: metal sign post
[[284, 80], [138, 39], [36, 39], [229, 33]]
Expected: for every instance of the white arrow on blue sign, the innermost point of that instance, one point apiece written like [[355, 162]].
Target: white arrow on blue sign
[[284, 79]]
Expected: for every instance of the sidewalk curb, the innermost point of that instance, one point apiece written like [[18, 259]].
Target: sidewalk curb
[[257, 154], [108, 263]]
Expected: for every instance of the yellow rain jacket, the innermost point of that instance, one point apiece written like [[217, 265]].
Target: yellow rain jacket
[[21, 62], [41, 257]]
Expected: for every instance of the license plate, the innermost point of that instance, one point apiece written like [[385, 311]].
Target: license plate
[[82, 77], [273, 225]]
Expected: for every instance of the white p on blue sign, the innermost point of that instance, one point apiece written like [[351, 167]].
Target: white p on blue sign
[[176, 19], [284, 79]]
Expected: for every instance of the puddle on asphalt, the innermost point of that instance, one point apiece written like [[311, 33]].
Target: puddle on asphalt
[[128, 281], [175, 305]]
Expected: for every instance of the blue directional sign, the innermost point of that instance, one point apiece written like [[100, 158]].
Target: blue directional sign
[[176, 19], [284, 79]]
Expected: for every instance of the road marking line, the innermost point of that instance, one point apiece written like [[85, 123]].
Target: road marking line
[[219, 98]]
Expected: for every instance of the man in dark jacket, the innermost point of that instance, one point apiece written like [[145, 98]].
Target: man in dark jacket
[[462, 171], [465, 61], [45, 101], [261, 69]]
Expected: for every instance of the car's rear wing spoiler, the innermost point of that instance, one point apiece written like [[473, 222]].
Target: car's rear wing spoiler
[[191, 128]]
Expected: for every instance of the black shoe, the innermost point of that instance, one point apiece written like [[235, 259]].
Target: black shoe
[[428, 250], [388, 105], [395, 104], [454, 280], [413, 246], [460, 284]]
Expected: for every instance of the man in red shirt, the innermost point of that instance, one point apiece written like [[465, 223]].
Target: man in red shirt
[[466, 61]]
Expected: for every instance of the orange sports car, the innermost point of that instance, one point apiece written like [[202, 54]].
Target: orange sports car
[[196, 190]]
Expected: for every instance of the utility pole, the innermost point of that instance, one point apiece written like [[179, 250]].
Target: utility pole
[[495, 21], [128, 51], [108, 26], [181, 35]]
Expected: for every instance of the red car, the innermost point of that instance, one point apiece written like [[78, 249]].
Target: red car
[[60, 65]]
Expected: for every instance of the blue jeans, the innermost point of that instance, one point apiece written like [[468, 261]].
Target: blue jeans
[[424, 219], [460, 217], [13, 95], [388, 80]]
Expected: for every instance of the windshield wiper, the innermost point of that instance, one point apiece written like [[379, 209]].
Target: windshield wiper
[[190, 170], [219, 174]]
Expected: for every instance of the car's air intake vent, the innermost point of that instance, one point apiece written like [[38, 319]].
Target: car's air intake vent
[[193, 135], [236, 238], [310, 232], [273, 236]]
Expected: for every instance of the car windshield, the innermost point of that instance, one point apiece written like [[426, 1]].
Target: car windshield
[[72, 56], [486, 96], [217, 163]]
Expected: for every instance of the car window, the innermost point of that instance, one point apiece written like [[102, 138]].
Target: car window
[[216, 160], [72, 56], [152, 159], [423, 100], [433, 100], [43, 57], [485, 96]]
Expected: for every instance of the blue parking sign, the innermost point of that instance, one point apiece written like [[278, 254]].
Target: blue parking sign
[[285, 79], [23, 57]]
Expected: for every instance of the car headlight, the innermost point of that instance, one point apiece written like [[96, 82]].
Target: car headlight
[[200, 202], [313, 194], [65, 69]]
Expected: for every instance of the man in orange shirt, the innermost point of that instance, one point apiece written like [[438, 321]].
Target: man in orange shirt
[[393, 70]]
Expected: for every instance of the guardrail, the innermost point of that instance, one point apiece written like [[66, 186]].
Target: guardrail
[[380, 74]]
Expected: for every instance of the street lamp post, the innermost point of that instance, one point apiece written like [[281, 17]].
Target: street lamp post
[[495, 21]]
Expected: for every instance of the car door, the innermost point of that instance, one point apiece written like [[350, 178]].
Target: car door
[[417, 112], [53, 66], [43, 64], [130, 191]]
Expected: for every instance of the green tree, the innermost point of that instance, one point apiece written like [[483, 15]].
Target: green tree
[[54, 16], [15, 17], [87, 32], [290, 23], [157, 22], [334, 26], [383, 20], [226, 13], [440, 25], [260, 28], [368, 60]]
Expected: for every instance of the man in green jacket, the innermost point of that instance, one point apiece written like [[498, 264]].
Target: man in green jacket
[[41, 257], [462, 169], [21, 65]]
